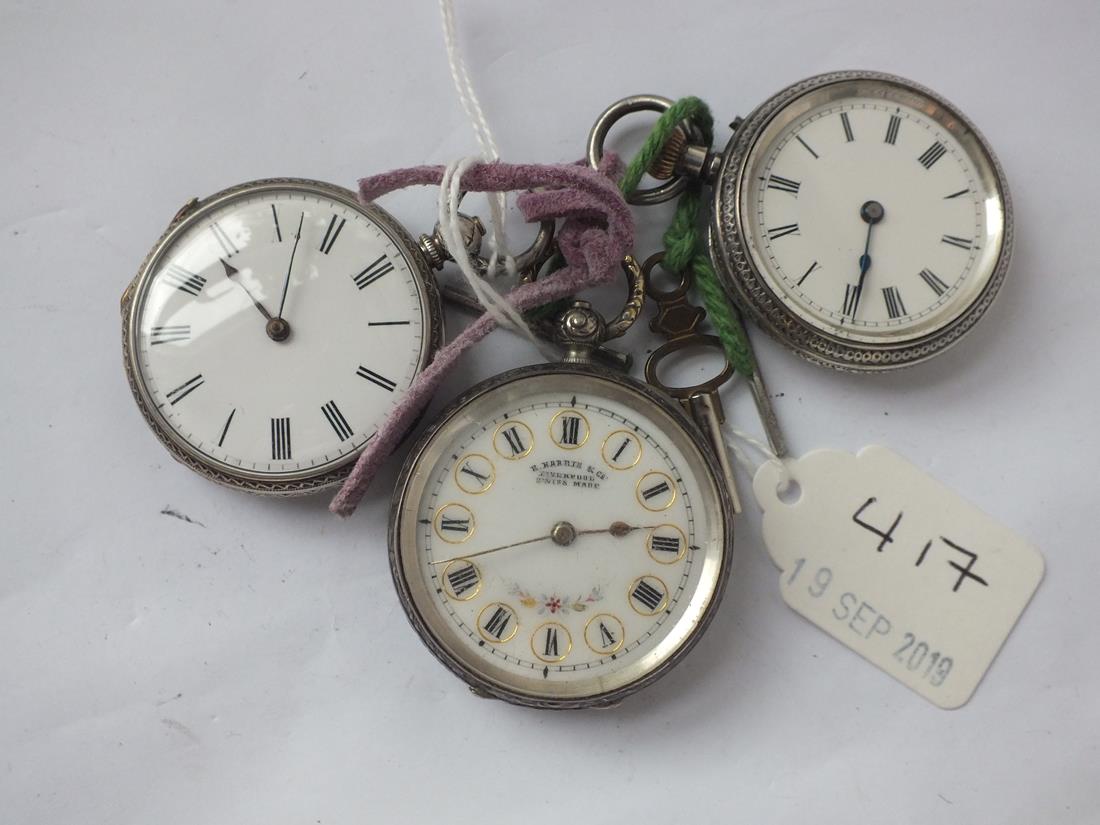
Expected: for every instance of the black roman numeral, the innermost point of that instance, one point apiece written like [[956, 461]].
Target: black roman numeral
[[895, 308], [330, 235], [607, 638], [224, 241], [225, 429], [278, 231], [470, 471], [184, 390], [961, 243], [375, 378], [783, 184], [570, 429], [619, 452], [646, 594], [666, 544], [515, 441], [806, 146], [377, 268], [780, 231], [847, 124], [550, 643], [851, 299], [183, 280], [813, 266], [498, 622], [932, 154], [463, 579], [933, 281], [892, 129], [280, 439], [455, 525], [655, 490], [169, 334], [337, 421]]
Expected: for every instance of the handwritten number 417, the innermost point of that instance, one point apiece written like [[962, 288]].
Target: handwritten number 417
[[887, 537]]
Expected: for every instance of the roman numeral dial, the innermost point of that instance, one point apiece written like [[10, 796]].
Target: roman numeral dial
[[274, 329], [816, 258], [530, 537]]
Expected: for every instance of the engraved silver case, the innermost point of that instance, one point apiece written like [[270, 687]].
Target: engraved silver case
[[307, 481], [413, 480], [748, 288]]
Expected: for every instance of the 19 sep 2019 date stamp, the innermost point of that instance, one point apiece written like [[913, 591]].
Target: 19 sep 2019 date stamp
[[896, 566]]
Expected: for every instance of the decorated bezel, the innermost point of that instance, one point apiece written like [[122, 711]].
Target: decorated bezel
[[749, 288], [288, 484], [490, 680]]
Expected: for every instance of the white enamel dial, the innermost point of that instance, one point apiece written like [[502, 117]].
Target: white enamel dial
[[561, 536], [871, 212], [256, 385]]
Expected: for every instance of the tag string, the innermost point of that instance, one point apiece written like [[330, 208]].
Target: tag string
[[733, 435], [684, 246], [597, 230], [450, 195], [494, 304]]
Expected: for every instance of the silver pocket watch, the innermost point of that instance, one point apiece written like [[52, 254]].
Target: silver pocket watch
[[562, 535], [274, 325], [859, 218]]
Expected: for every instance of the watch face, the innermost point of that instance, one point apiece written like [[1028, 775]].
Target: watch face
[[560, 538], [274, 328], [870, 212]]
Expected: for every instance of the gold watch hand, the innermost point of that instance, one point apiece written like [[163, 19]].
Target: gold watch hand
[[563, 534], [493, 549]]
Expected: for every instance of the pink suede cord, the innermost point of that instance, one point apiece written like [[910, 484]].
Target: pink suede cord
[[597, 231]]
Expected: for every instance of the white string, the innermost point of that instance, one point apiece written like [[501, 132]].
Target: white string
[[498, 202], [733, 435], [495, 304]]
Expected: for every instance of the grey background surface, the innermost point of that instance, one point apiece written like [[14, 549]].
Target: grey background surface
[[257, 668]]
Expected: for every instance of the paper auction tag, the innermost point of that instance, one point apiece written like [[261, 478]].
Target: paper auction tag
[[896, 566]]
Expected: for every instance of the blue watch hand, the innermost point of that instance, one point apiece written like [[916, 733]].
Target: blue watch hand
[[872, 212]]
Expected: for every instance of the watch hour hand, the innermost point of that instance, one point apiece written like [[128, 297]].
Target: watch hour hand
[[231, 272], [871, 212], [276, 328]]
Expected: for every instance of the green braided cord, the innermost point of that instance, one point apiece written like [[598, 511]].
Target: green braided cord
[[684, 247]]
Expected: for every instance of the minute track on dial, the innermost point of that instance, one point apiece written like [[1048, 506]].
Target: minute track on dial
[[553, 546], [846, 138], [226, 261]]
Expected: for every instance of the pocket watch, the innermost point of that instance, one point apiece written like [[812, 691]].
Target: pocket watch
[[561, 537], [859, 218], [271, 329]]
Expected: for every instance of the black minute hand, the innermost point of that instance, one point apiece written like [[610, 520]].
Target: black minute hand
[[290, 266]]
